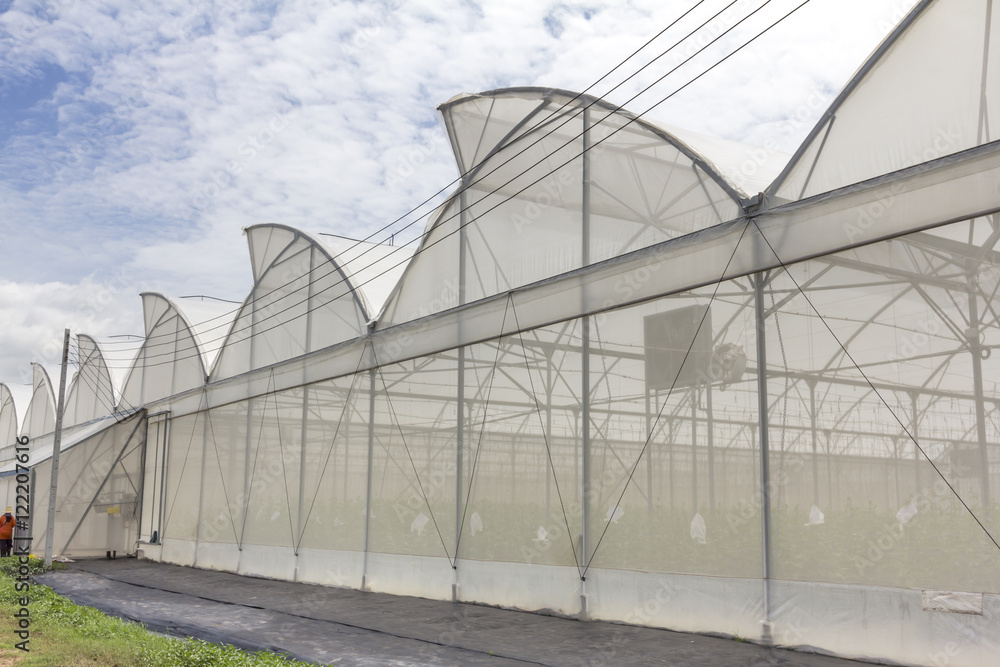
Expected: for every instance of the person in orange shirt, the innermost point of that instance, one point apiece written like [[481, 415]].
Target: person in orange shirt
[[7, 525]]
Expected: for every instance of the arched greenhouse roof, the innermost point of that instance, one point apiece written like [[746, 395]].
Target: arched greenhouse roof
[[40, 417], [91, 393], [8, 417], [551, 182], [169, 361], [302, 300], [923, 94]]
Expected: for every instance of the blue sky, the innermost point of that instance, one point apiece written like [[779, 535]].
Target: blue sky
[[139, 137]]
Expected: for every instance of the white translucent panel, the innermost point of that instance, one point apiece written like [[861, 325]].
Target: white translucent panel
[[40, 417], [373, 268], [644, 190], [413, 458], [274, 451], [928, 95], [431, 281], [279, 318], [91, 394], [334, 468], [336, 311], [226, 474], [522, 457], [674, 465], [210, 319], [535, 208], [747, 168], [478, 125], [169, 361], [180, 486], [8, 417], [267, 242], [301, 302], [99, 486], [880, 418]]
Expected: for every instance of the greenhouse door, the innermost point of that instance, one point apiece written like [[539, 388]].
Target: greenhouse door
[[154, 477]]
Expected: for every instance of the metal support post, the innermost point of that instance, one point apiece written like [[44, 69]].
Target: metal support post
[[368, 484], [976, 348], [812, 431], [765, 471], [585, 393], [710, 431], [460, 416], [56, 444]]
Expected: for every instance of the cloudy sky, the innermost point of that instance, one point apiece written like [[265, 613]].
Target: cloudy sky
[[140, 136]]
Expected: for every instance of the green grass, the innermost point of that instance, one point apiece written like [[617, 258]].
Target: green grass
[[65, 634]]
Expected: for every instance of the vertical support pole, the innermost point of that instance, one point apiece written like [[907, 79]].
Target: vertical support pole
[[304, 434], [710, 428], [368, 483], [977, 381], [914, 422], [56, 444], [585, 393], [670, 452], [649, 458], [897, 452], [548, 436], [299, 528], [460, 411], [249, 438], [694, 448], [206, 433], [162, 509], [828, 437], [765, 469], [812, 432]]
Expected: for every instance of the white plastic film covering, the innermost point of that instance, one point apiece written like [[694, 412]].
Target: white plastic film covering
[[169, 361], [100, 478], [331, 504], [522, 465], [91, 394], [225, 473], [40, 417], [275, 452], [8, 417], [301, 301], [373, 268], [930, 94], [534, 207], [627, 444], [884, 428], [413, 458], [674, 456], [181, 485]]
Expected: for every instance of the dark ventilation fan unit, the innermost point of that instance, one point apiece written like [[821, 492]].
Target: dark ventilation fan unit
[[678, 352]]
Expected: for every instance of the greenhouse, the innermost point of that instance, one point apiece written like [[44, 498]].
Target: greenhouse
[[629, 373]]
